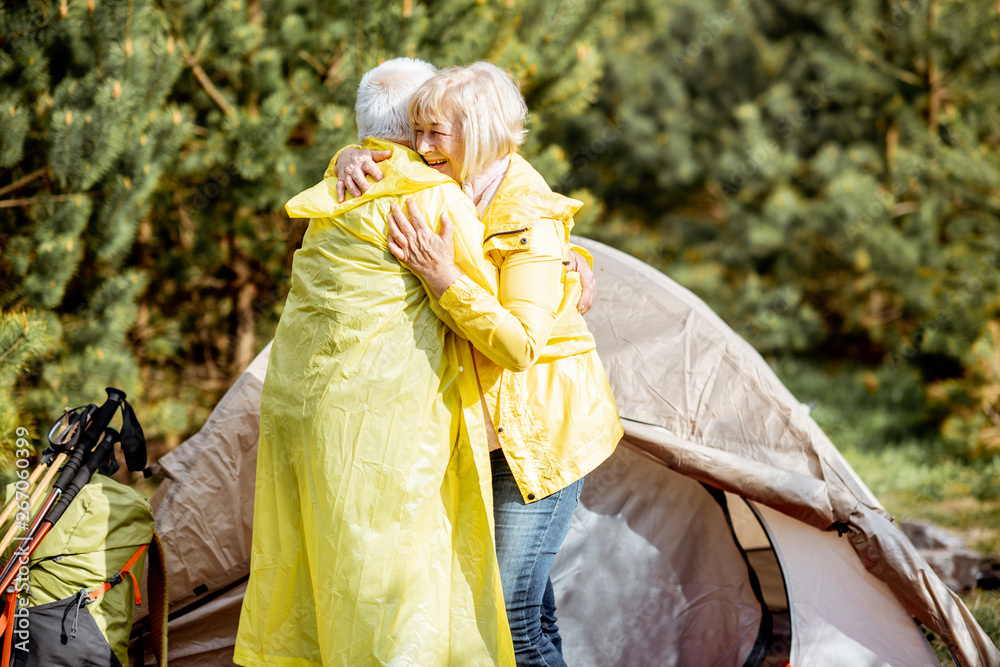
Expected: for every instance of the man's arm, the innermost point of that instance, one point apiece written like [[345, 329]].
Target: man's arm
[[582, 262], [352, 164]]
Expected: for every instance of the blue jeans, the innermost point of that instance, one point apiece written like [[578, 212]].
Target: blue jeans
[[528, 537]]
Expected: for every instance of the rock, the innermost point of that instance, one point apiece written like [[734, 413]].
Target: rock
[[926, 535], [946, 553], [988, 578]]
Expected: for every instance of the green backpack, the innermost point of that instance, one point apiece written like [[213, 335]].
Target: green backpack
[[84, 580]]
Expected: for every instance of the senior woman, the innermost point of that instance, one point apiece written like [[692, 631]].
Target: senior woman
[[545, 392]]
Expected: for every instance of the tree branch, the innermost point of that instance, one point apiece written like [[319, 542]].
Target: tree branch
[[10, 350], [933, 78], [892, 70], [315, 64], [22, 181], [199, 74], [28, 201], [205, 82], [333, 76]]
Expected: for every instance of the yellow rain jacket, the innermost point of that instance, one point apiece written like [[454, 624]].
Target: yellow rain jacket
[[372, 540], [557, 419]]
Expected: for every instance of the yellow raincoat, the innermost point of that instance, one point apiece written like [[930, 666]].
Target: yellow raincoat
[[372, 540], [557, 419]]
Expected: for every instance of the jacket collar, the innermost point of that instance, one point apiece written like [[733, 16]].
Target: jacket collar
[[523, 198]]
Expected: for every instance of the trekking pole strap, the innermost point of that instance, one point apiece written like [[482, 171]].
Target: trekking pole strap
[[133, 440], [90, 436]]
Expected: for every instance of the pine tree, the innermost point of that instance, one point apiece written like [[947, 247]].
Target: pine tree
[[86, 133], [24, 338], [150, 148], [824, 174], [272, 85]]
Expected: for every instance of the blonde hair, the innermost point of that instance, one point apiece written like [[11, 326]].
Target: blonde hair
[[488, 105], [381, 109]]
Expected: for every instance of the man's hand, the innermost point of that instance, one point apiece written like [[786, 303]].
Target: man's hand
[[578, 263], [431, 256], [351, 167]]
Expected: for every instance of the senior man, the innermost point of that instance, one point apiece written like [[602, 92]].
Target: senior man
[[372, 537]]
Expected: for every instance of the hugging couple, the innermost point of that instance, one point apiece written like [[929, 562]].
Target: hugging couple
[[433, 397]]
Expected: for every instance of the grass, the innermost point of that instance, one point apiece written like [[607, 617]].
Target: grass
[[985, 606], [962, 497]]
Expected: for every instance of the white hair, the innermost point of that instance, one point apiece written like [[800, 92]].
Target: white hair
[[382, 109], [485, 102]]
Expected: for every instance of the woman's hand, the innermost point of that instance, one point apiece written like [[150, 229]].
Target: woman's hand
[[431, 256], [579, 264], [351, 167]]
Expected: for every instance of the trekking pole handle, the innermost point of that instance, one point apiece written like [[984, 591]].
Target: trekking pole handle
[[101, 453], [98, 423]]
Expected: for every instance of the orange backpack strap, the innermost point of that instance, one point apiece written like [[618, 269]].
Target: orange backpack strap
[[156, 591], [117, 579], [8, 625]]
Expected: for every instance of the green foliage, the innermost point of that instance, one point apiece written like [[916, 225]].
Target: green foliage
[[24, 338], [985, 606], [88, 132], [152, 145], [823, 174], [94, 354]]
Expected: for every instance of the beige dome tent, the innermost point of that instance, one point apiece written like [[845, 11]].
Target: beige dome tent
[[726, 529]]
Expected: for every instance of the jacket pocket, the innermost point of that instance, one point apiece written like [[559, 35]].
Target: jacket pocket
[[508, 241]]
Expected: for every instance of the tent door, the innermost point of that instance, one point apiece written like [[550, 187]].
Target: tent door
[[751, 535]]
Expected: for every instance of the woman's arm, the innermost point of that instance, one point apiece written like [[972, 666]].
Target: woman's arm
[[511, 328]]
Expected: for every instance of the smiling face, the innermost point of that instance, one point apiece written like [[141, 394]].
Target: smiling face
[[439, 141]]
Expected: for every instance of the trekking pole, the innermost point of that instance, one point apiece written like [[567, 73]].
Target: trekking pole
[[53, 467], [100, 454], [86, 470], [22, 556], [7, 623], [88, 438], [12, 505], [63, 436], [49, 459], [76, 474]]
